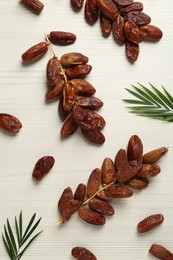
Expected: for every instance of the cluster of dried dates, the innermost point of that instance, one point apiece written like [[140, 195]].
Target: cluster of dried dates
[[130, 170], [66, 83], [125, 19]]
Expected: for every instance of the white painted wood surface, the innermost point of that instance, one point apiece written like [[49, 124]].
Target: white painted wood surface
[[22, 94]]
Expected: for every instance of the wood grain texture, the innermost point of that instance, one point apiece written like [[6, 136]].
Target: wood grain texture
[[22, 94]]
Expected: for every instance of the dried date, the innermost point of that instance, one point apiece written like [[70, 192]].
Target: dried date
[[61, 38], [77, 4], [81, 253], [10, 123], [34, 5], [91, 11], [42, 167], [160, 252], [149, 223], [91, 217], [35, 52]]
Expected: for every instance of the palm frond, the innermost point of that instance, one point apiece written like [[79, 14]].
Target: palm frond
[[151, 102], [16, 242]]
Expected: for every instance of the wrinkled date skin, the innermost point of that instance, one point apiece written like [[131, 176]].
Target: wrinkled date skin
[[150, 32], [120, 159], [137, 183], [118, 191], [118, 29], [122, 3], [139, 18], [149, 223], [10, 123], [53, 71], [84, 88], [80, 192], [69, 96], [108, 171], [101, 207], [73, 58], [34, 5], [78, 71], [132, 32], [154, 155], [69, 127], [55, 91], [106, 25], [87, 119], [91, 11], [132, 50], [35, 52], [94, 136], [61, 38], [91, 217], [160, 252], [42, 167], [128, 171], [92, 103], [67, 205], [94, 182], [149, 170], [81, 253], [135, 6], [135, 149], [108, 8], [77, 4]]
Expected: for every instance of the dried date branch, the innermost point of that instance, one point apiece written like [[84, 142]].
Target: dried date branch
[[66, 83], [114, 180], [125, 19]]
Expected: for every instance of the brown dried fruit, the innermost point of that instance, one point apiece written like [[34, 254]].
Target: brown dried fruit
[[61, 38], [69, 96], [151, 32], [101, 207], [149, 223], [135, 6], [42, 167], [84, 88], [154, 155], [128, 171], [81, 253], [34, 5], [108, 8], [35, 52], [10, 123], [120, 159], [139, 18], [108, 171], [137, 183], [67, 205], [118, 191], [73, 58], [135, 149], [89, 103], [94, 182], [106, 25], [61, 111], [118, 29], [123, 3], [87, 119], [80, 192], [91, 11], [92, 217], [149, 170], [69, 127], [78, 71], [94, 136], [160, 252], [132, 32], [132, 50], [77, 4], [102, 195], [55, 91], [53, 71]]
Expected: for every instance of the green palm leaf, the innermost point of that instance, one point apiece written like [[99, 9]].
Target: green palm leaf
[[16, 243], [151, 102]]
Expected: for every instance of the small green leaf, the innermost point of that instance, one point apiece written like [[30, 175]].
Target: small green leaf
[[153, 104]]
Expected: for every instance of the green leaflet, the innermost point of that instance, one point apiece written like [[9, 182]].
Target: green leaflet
[[17, 241], [151, 102]]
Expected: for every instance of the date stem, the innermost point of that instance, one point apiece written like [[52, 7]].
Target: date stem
[[55, 56], [95, 194]]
